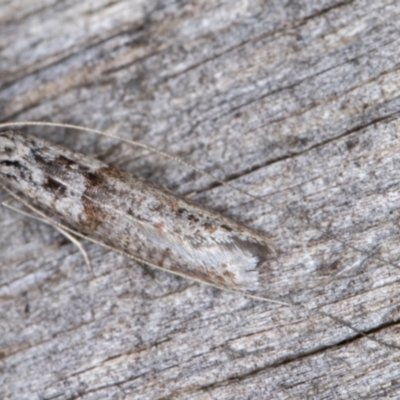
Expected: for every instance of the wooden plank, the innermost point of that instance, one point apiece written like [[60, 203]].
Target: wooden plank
[[294, 103]]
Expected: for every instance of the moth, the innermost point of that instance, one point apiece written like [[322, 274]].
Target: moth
[[138, 218], [133, 215]]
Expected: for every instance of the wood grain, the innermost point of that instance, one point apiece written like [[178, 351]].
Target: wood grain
[[296, 103]]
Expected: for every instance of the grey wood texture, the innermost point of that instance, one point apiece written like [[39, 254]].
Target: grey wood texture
[[294, 102]]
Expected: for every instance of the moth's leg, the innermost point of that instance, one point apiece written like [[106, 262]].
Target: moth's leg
[[70, 237]]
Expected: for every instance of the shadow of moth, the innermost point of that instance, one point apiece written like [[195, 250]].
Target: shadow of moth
[[133, 215]]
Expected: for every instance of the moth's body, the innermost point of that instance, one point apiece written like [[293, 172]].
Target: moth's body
[[133, 215]]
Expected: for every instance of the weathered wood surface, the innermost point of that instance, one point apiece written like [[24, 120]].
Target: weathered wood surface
[[297, 103]]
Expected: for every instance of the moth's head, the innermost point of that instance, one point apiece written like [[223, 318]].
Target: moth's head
[[11, 153], [7, 146]]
